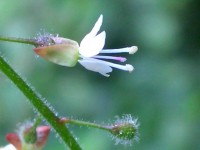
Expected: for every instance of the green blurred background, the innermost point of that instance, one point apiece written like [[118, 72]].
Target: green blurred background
[[163, 92]]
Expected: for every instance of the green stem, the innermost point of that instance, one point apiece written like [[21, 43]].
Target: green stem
[[37, 122], [88, 124], [19, 40], [39, 104]]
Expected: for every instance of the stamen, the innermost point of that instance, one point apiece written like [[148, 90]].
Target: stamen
[[121, 59], [133, 49], [126, 67], [130, 50], [129, 67]]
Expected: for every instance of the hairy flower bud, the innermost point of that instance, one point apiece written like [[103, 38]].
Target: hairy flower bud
[[125, 130], [29, 137], [58, 50]]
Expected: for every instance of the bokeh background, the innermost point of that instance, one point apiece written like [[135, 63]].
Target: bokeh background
[[163, 92]]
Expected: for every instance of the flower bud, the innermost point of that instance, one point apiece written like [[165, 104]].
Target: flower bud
[[29, 137], [125, 130], [58, 50]]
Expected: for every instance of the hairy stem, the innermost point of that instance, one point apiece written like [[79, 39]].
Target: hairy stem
[[19, 40], [84, 123], [39, 104]]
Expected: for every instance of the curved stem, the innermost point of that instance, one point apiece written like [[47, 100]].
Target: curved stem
[[39, 104], [19, 40]]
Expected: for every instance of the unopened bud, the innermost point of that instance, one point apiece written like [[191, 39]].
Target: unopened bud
[[29, 137], [125, 130], [58, 50]]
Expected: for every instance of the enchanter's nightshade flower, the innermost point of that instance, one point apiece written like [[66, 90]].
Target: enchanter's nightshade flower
[[92, 45], [67, 52]]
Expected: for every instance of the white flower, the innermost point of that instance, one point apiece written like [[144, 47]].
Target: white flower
[[92, 44], [67, 52]]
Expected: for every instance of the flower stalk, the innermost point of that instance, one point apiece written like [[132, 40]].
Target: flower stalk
[[84, 123], [124, 130], [37, 102], [19, 40]]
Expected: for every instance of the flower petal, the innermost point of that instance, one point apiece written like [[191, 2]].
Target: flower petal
[[91, 46], [96, 67], [92, 43], [8, 147], [97, 26]]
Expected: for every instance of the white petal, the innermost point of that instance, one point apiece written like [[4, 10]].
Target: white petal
[[8, 147], [96, 67], [91, 46], [97, 26]]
